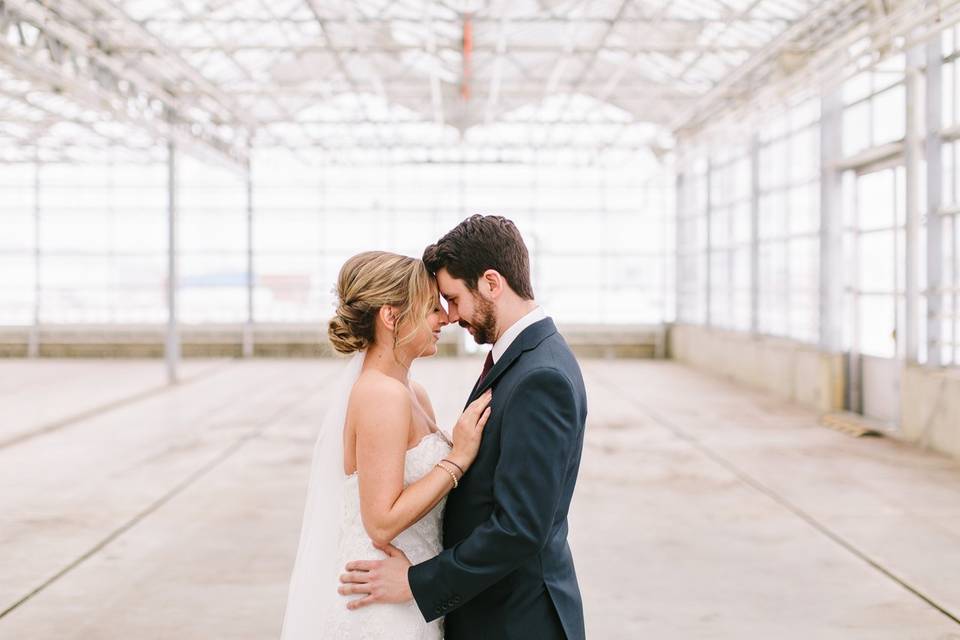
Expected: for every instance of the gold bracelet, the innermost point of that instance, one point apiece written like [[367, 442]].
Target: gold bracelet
[[451, 470], [452, 475], [462, 472]]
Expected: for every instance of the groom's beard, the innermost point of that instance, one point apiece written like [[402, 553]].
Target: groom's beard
[[484, 322]]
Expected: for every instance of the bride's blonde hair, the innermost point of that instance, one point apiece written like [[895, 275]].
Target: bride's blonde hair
[[374, 279]]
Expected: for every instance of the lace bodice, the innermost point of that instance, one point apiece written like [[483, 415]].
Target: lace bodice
[[422, 539], [419, 542], [332, 534]]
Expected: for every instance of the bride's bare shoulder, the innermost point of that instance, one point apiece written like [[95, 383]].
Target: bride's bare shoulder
[[376, 393]]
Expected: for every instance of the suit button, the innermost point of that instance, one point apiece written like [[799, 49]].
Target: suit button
[[438, 610], [456, 599]]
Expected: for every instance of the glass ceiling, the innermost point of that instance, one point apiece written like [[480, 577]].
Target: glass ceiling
[[450, 79]]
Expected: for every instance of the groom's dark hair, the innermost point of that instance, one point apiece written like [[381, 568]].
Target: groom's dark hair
[[480, 243]]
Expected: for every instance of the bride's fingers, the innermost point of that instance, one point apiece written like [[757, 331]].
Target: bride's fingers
[[483, 419], [360, 602], [483, 400], [477, 412]]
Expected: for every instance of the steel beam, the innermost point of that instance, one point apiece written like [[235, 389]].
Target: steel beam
[[335, 52], [666, 47], [172, 344], [760, 62], [913, 160], [33, 344], [81, 68], [933, 150], [830, 299], [755, 234], [570, 52], [678, 212], [496, 76], [401, 88], [248, 327], [696, 59], [436, 88], [490, 20], [708, 266]]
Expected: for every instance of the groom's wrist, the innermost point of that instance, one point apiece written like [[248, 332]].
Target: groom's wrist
[[409, 584]]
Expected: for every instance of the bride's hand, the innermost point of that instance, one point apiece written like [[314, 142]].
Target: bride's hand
[[469, 430]]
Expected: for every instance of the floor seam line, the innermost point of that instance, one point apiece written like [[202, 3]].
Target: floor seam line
[[69, 421], [758, 486], [179, 488]]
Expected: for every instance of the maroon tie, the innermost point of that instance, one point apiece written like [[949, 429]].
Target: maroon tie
[[487, 365]]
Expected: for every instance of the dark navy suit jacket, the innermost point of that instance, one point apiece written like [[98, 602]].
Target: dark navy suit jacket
[[506, 570]]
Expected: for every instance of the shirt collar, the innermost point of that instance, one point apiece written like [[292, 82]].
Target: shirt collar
[[500, 346]]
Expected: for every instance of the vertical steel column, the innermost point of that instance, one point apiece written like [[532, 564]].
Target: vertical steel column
[[606, 290], [678, 211], [462, 187], [322, 234], [731, 296], [534, 214], [913, 155], [934, 202], [708, 267], [665, 257], [322, 211], [248, 326], [755, 235], [831, 223], [33, 341], [390, 209], [172, 346]]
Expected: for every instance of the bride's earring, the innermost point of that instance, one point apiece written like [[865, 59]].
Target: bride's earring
[[396, 340], [396, 330]]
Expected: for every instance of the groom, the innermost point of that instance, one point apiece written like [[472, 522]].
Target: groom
[[506, 570]]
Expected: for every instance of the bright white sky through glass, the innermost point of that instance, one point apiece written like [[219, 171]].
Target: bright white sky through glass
[[600, 236]]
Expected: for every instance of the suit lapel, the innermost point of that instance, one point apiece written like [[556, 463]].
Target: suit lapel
[[528, 339]]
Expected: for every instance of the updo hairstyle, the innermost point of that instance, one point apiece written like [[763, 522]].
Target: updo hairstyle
[[374, 279]]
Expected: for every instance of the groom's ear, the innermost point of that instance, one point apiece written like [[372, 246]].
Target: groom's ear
[[491, 284]]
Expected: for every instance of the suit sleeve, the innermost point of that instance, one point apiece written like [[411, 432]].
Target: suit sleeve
[[539, 432]]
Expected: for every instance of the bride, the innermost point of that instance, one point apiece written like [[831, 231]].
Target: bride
[[381, 468]]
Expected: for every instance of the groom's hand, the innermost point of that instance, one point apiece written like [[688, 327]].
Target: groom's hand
[[383, 581]]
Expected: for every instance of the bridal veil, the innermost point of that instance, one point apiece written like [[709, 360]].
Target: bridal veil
[[315, 578]]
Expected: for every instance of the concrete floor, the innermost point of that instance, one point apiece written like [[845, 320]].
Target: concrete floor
[[703, 510]]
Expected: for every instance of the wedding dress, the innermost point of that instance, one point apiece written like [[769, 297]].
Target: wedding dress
[[333, 534]]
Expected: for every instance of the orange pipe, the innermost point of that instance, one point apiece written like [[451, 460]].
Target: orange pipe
[[467, 55]]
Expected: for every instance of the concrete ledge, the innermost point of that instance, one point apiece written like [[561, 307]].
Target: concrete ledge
[[287, 340], [616, 341], [930, 408], [147, 341], [787, 369]]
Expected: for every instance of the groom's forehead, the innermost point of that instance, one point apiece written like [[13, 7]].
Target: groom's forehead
[[448, 284], [450, 295]]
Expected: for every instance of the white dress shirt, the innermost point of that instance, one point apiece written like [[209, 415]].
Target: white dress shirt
[[500, 346]]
